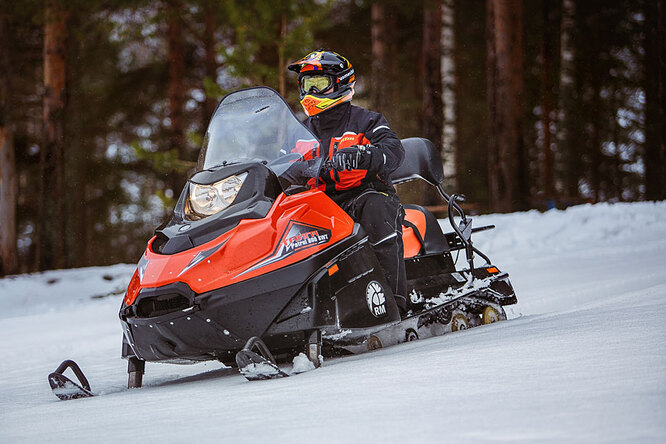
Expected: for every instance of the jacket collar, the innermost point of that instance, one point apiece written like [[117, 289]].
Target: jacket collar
[[331, 119]]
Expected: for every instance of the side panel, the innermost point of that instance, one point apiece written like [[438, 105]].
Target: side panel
[[351, 293]]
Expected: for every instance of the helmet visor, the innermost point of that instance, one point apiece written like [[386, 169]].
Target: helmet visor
[[318, 82]]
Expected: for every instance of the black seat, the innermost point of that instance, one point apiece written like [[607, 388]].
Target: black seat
[[434, 241], [422, 161]]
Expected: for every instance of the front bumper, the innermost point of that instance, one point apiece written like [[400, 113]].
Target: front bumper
[[173, 323]]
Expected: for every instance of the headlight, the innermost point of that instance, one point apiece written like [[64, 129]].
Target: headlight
[[206, 200]]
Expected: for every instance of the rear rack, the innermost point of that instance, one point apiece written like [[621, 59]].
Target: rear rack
[[456, 243]]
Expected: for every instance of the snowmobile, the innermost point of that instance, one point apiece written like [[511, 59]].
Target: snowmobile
[[255, 266]]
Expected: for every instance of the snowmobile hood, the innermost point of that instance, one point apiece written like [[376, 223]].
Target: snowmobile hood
[[252, 247]]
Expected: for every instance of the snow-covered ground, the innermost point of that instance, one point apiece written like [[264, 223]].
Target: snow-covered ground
[[582, 359]]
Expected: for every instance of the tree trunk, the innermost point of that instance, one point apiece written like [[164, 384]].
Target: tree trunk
[[83, 249], [176, 89], [210, 64], [449, 142], [655, 107], [547, 164], [569, 136], [471, 98], [393, 103], [433, 107], [8, 252], [281, 55], [616, 187], [661, 31], [52, 212], [379, 58], [507, 163], [432, 120], [597, 161]]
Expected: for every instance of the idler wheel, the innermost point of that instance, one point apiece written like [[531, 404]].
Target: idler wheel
[[374, 343], [459, 322], [411, 335], [490, 315]]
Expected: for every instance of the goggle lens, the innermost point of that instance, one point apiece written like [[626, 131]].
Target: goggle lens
[[319, 83]]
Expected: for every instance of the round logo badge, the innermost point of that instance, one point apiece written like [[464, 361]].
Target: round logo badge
[[374, 294]]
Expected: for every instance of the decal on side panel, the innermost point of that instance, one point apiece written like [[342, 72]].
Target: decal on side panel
[[296, 237]]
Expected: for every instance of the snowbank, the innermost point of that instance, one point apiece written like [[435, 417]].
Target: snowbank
[[30, 294], [582, 359]]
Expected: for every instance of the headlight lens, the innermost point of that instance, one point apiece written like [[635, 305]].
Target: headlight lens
[[206, 200]]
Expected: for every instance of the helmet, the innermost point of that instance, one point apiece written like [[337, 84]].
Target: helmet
[[325, 79]]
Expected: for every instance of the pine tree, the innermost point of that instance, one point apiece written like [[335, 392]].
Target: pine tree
[[433, 107], [655, 105], [52, 210], [507, 163], [8, 251]]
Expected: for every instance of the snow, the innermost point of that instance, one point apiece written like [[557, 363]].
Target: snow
[[582, 357], [259, 370], [302, 364]]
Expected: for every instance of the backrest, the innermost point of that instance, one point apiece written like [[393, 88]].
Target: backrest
[[422, 161]]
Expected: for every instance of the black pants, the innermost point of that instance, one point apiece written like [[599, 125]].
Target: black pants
[[381, 215]]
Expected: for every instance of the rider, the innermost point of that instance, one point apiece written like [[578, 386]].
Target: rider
[[363, 150]]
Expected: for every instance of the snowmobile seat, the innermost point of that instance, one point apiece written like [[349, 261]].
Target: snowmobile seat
[[421, 233]]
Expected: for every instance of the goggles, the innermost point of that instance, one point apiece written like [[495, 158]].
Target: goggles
[[318, 82]]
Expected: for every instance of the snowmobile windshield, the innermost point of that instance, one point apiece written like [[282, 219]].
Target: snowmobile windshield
[[255, 124]]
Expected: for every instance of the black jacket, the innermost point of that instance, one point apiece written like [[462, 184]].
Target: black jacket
[[346, 125]]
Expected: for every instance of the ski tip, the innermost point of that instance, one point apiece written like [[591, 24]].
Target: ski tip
[[255, 367], [66, 389]]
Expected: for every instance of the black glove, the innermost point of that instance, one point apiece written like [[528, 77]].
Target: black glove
[[352, 158]]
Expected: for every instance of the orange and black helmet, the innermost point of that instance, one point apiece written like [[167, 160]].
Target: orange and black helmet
[[325, 79]]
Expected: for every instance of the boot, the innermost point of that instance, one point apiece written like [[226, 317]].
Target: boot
[[403, 307]]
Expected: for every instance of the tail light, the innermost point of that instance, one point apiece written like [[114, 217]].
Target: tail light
[[133, 289]]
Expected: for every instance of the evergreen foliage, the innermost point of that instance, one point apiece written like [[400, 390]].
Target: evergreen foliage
[[123, 172]]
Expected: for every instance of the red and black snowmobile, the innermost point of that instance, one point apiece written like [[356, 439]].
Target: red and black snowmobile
[[255, 267]]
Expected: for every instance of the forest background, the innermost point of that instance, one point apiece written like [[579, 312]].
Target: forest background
[[104, 103]]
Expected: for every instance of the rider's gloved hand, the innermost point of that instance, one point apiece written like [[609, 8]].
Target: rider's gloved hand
[[352, 158]]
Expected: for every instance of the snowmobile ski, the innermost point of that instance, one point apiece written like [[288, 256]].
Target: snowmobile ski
[[259, 364], [66, 389]]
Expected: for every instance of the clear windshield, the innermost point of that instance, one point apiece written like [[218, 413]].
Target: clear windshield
[[253, 123]]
